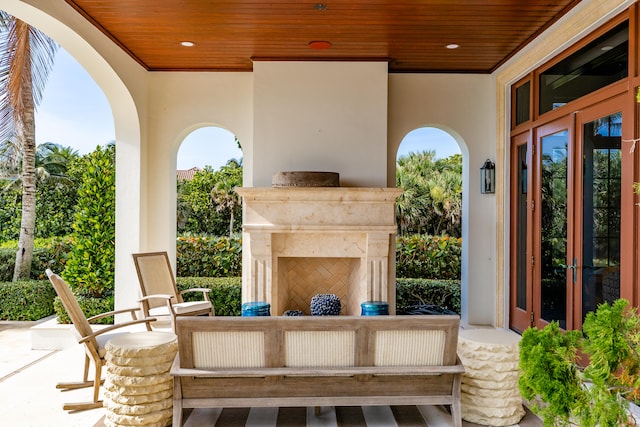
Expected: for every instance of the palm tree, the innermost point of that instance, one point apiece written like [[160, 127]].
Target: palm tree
[[53, 160], [224, 194], [26, 57]]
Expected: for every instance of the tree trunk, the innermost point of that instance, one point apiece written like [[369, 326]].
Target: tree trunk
[[26, 132]]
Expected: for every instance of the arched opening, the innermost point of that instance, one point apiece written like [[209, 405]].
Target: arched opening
[[429, 169], [208, 146], [429, 138], [74, 111], [106, 68], [209, 168]]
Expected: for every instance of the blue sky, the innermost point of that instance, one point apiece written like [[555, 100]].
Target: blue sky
[[74, 112]]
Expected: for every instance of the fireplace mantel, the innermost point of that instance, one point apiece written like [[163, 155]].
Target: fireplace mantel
[[300, 241]]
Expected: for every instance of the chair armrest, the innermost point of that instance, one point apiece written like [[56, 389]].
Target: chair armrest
[[146, 320], [156, 296], [167, 298], [205, 292], [131, 310]]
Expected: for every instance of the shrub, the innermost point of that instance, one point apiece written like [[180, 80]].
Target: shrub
[[226, 292], [26, 300], [209, 256], [90, 268], [90, 306], [49, 253], [441, 293], [428, 257], [561, 392], [33, 300], [91, 264]]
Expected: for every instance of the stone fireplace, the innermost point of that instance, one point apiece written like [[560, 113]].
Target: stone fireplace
[[302, 241]]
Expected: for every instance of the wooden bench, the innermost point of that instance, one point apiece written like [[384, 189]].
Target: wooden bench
[[316, 361]]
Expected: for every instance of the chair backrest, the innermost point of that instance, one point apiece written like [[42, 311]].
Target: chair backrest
[[70, 303], [155, 276]]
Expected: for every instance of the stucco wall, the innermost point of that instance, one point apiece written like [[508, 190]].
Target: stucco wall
[[180, 103], [321, 116], [464, 106]]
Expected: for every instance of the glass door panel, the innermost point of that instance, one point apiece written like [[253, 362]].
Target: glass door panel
[[521, 304], [601, 197], [553, 226]]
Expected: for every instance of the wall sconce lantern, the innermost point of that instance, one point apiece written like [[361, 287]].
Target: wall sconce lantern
[[488, 177]]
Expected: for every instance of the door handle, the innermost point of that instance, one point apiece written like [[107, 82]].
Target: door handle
[[574, 267]]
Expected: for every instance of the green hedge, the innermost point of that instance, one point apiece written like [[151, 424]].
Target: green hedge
[[226, 292], [417, 256], [26, 300], [428, 257], [209, 256], [48, 253], [33, 300], [215, 262], [442, 293]]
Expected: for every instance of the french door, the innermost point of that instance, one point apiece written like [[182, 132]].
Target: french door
[[566, 209]]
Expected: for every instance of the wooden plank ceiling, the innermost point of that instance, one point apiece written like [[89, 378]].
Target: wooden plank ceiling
[[412, 35]]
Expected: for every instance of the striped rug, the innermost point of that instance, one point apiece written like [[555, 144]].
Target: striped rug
[[351, 416]]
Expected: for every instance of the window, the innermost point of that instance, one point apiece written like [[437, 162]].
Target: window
[[596, 65]]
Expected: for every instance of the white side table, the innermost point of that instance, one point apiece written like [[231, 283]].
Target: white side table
[[138, 387], [489, 391]]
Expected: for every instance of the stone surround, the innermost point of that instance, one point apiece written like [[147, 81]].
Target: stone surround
[[301, 241]]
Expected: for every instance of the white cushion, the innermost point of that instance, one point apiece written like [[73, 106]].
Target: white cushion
[[180, 308]]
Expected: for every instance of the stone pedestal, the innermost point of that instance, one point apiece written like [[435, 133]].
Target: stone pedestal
[[489, 391], [138, 387]]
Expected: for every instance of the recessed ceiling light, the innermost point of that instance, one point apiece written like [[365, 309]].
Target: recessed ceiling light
[[606, 48], [452, 46], [319, 45], [187, 44]]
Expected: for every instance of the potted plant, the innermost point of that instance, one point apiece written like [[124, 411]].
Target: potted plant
[[565, 392]]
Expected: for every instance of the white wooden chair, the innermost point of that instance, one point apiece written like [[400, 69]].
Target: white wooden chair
[[160, 295], [93, 341]]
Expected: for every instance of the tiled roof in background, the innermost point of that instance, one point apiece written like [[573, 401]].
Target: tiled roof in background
[[187, 175]]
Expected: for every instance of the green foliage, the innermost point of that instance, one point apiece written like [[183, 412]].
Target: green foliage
[[56, 195], [207, 204], [91, 264], [561, 392], [442, 293], [226, 292], [90, 306], [549, 371], [48, 253], [209, 256], [428, 257], [26, 300], [432, 199], [226, 296]]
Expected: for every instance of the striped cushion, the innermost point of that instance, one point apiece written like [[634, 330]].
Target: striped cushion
[[319, 348], [228, 349], [409, 348]]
